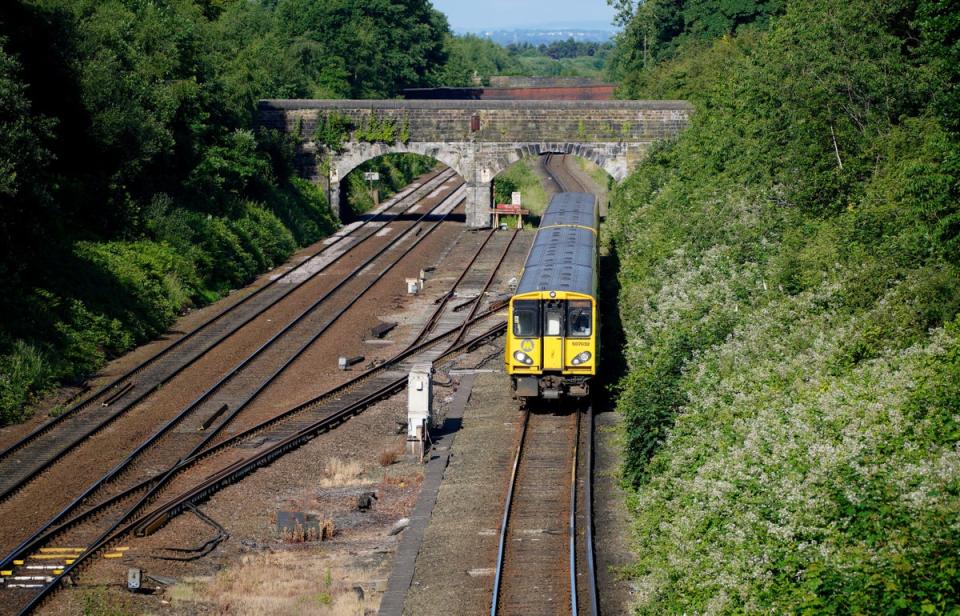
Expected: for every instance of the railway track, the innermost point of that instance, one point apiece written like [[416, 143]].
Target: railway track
[[202, 421], [25, 459], [539, 524], [556, 164], [543, 516], [213, 465], [587, 599]]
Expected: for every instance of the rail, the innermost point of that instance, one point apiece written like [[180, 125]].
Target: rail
[[582, 550], [501, 546], [173, 422], [34, 435], [229, 474], [565, 179], [233, 472]]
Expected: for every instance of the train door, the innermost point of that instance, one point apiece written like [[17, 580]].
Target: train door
[[553, 318]]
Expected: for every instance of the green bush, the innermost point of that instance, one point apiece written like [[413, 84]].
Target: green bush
[[23, 371], [302, 208], [117, 294], [396, 171], [519, 177], [332, 131], [134, 182], [790, 297]]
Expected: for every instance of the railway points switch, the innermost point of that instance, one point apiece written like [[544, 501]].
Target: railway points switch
[[419, 406]]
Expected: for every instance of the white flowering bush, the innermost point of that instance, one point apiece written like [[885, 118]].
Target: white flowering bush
[[792, 401], [784, 486]]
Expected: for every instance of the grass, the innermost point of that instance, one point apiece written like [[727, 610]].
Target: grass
[[276, 584], [96, 602], [520, 177], [339, 472], [390, 456], [600, 178]]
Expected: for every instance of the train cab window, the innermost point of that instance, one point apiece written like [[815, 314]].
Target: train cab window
[[579, 319], [553, 319], [526, 318]]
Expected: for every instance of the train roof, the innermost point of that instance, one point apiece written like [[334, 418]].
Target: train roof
[[571, 208], [562, 258]]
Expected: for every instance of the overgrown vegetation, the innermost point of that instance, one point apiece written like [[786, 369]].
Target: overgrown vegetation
[[519, 177], [96, 602], [790, 290], [132, 182], [334, 129], [395, 172]]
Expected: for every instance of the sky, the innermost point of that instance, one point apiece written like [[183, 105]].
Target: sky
[[472, 15]]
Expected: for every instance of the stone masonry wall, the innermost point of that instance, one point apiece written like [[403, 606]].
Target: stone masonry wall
[[500, 121]]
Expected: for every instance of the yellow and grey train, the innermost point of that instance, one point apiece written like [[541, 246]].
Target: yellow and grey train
[[551, 349]]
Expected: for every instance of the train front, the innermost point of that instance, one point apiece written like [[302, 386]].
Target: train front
[[551, 348]]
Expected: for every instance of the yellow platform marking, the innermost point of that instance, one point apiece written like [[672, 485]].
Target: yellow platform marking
[[59, 550], [47, 556], [121, 549], [69, 561], [57, 571], [6, 572], [18, 562], [113, 555]]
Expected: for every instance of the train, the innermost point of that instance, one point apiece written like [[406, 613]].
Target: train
[[551, 348]]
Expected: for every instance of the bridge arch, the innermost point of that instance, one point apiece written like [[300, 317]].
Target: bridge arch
[[357, 154], [615, 166]]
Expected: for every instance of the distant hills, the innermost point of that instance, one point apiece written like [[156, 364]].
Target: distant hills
[[544, 35]]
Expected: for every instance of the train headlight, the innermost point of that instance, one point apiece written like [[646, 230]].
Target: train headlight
[[522, 357], [580, 358]]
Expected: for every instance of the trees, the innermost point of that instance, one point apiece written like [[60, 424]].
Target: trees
[[130, 167], [26, 204], [366, 48], [658, 29], [469, 56]]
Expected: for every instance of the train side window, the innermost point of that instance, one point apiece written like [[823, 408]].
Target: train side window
[[553, 320], [579, 318], [526, 318]]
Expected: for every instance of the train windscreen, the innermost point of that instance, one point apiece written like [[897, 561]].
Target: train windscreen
[[579, 318], [526, 318]]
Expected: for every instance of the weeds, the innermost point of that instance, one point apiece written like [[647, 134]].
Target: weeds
[[97, 602], [390, 456], [339, 472]]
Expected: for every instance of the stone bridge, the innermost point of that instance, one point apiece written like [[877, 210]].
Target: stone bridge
[[477, 138]]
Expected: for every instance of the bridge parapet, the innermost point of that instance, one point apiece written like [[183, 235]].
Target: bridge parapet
[[480, 138]]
